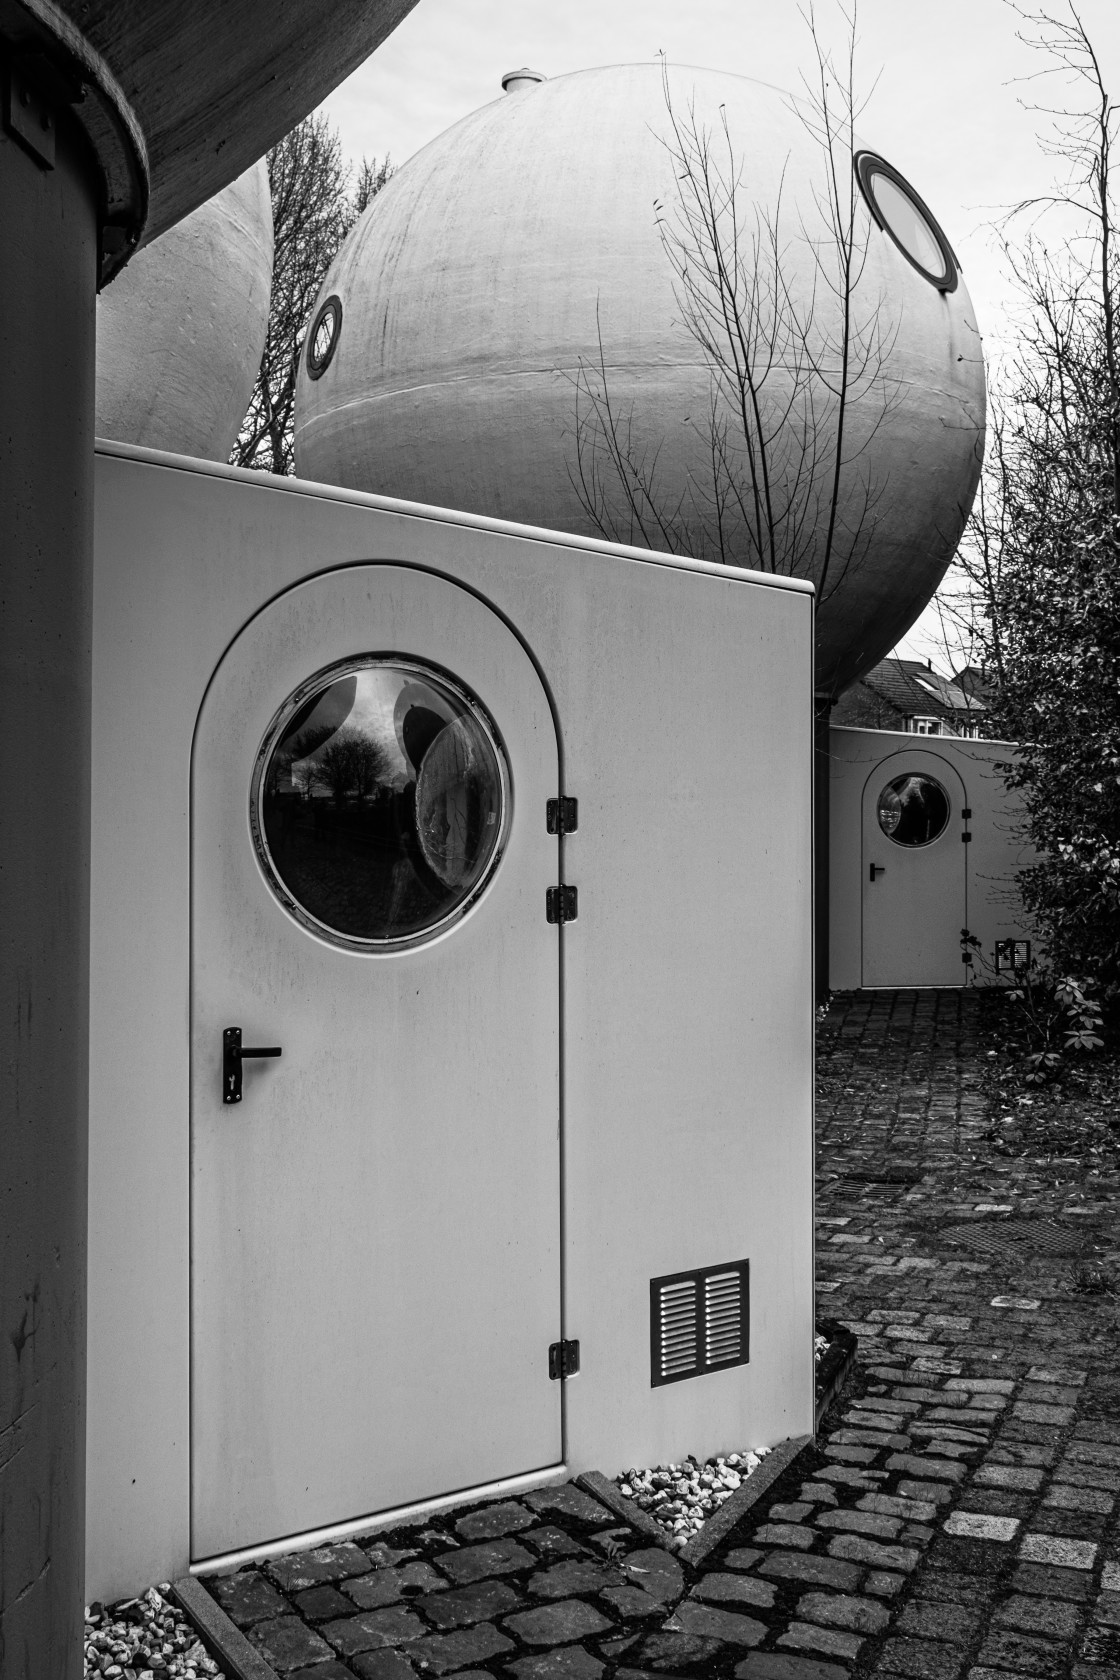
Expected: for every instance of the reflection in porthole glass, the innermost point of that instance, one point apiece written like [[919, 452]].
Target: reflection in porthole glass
[[913, 810], [379, 802]]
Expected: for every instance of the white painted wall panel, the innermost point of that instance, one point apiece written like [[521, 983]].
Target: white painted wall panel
[[683, 695]]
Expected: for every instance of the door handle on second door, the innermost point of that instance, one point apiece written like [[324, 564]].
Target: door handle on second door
[[233, 1054]]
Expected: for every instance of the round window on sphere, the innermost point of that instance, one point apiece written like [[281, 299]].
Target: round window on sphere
[[380, 803], [322, 340], [913, 810], [902, 215]]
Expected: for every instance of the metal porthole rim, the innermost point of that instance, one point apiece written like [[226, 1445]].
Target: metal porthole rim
[[206, 1616]]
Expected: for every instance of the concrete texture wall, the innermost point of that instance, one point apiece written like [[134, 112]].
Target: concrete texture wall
[[215, 83], [687, 1079], [481, 281], [992, 857], [46, 561], [180, 332]]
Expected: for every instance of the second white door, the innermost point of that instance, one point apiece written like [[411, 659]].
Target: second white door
[[914, 872]]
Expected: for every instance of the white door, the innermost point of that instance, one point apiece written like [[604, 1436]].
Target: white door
[[375, 1224], [914, 872]]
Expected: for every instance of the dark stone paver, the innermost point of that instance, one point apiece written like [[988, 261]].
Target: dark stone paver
[[464, 1605], [657, 1572], [571, 1663], [310, 1569], [319, 1604], [580, 1575], [478, 1563], [389, 1586], [494, 1520], [958, 1517], [556, 1624], [373, 1629], [288, 1643], [247, 1598], [378, 1665], [461, 1650], [567, 1501]]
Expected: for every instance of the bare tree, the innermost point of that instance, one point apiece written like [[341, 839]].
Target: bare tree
[[350, 763], [785, 487], [1043, 548], [313, 209]]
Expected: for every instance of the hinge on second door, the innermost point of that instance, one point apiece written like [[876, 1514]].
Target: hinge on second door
[[562, 816], [561, 904], [563, 1360]]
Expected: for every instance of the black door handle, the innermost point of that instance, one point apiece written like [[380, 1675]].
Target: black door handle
[[233, 1054], [878, 869]]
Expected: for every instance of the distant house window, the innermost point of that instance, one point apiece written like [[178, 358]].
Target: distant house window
[[925, 726]]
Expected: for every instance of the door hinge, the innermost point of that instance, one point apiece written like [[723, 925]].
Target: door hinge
[[967, 813], [562, 816], [563, 1360], [966, 837], [561, 904]]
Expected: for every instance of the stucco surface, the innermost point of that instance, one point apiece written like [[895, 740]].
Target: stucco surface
[[180, 332], [480, 283]]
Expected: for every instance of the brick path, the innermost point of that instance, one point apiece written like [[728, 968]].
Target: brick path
[[957, 1515]]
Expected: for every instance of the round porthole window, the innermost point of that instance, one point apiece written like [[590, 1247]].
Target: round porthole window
[[322, 340], [906, 220], [913, 810], [380, 802]]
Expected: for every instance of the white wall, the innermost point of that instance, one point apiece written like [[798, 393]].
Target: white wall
[[683, 699], [996, 851]]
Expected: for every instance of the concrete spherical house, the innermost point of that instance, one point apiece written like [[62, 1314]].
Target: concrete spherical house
[[517, 260], [180, 332]]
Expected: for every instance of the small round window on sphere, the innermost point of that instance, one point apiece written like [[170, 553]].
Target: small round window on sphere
[[904, 218], [322, 340]]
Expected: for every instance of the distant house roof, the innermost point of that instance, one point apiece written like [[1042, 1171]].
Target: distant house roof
[[903, 689], [974, 682]]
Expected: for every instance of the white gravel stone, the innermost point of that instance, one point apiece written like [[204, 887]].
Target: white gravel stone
[[681, 1497], [145, 1638]]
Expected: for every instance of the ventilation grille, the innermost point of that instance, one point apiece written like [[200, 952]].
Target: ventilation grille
[[699, 1322]]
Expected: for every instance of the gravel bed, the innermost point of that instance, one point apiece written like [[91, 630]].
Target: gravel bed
[[145, 1638], [681, 1497]]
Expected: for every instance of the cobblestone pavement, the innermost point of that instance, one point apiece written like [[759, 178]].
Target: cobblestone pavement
[[957, 1516]]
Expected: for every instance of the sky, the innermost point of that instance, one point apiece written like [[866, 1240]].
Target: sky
[[947, 99]]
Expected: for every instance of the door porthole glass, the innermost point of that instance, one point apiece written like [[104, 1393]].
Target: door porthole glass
[[904, 218], [380, 802], [913, 810]]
